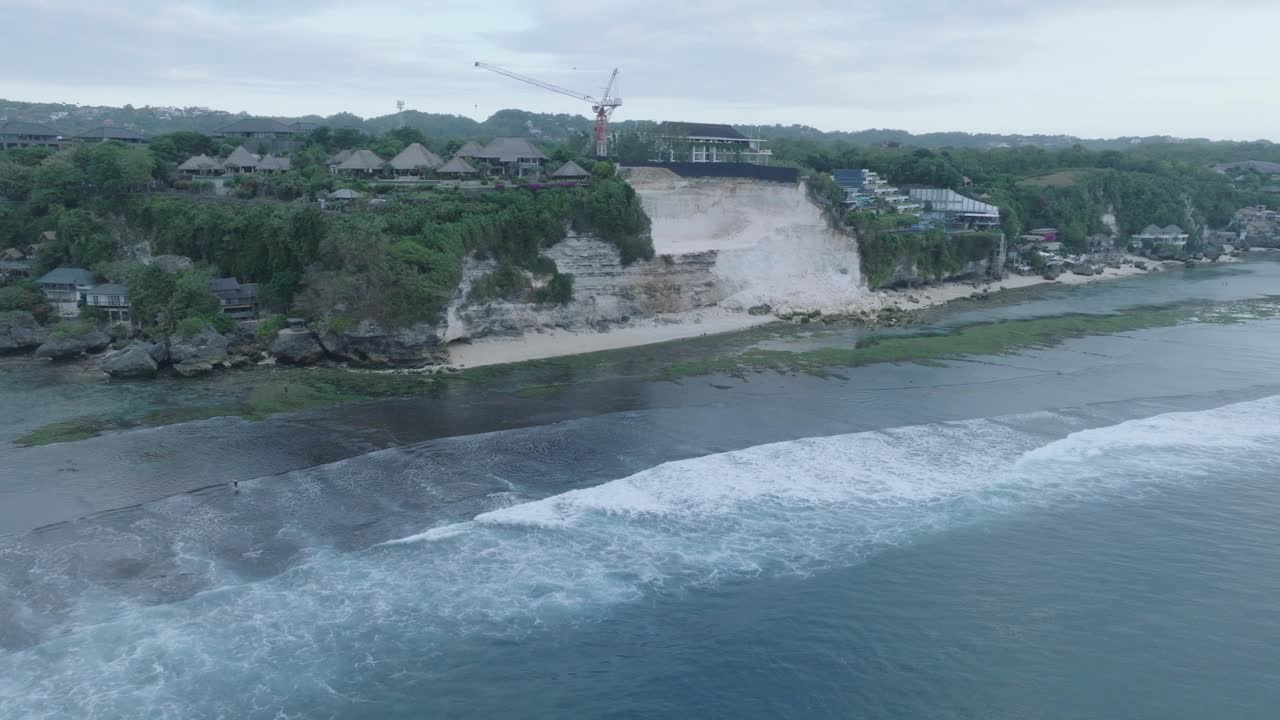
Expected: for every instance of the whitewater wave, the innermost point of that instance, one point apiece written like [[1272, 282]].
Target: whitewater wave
[[311, 638]]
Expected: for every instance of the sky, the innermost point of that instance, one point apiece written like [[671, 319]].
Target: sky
[[1091, 68]]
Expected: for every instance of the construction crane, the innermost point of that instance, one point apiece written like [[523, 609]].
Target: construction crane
[[603, 107]]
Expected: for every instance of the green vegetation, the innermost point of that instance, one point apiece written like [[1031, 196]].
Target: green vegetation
[[20, 296], [269, 328], [1068, 189], [264, 393], [1001, 338], [398, 264], [886, 248]]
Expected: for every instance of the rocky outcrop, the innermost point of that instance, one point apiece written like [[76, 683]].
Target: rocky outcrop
[[193, 369], [133, 361], [369, 344], [1082, 268], [604, 291], [296, 347], [66, 347], [206, 346], [18, 332]]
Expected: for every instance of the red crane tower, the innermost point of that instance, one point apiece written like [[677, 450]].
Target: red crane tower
[[603, 107]]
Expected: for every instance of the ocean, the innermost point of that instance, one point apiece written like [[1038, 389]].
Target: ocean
[[1081, 531]]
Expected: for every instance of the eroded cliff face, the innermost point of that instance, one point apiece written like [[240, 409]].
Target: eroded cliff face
[[604, 291], [735, 243]]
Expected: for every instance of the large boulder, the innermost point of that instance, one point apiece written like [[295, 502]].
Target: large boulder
[[1081, 268], [18, 332], [296, 347], [370, 345], [159, 351], [193, 369], [207, 346], [96, 341], [64, 347], [71, 341], [133, 361]]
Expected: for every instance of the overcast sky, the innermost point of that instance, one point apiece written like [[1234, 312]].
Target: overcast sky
[[1086, 67]]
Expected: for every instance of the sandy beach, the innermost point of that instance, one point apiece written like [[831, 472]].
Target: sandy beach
[[713, 320]]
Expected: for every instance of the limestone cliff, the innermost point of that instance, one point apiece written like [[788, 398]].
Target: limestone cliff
[[605, 291]]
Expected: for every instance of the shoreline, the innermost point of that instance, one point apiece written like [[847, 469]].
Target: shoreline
[[716, 319]]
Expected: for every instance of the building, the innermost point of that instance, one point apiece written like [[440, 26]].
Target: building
[[336, 160], [274, 135], [1156, 235], [415, 160], [570, 171], [470, 149], [237, 300], [63, 288], [513, 156], [240, 161], [1099, 244], [111, 133], [866, 190], [361, 162], [457, 166], [274, 164], [111, 298], [201, 165], [345, 194], [16, 134], [705, 142], [957, 212]]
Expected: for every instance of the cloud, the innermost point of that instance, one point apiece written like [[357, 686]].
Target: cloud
[[1078, 66]]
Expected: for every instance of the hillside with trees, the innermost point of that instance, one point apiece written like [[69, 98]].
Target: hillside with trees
[[397, 262]]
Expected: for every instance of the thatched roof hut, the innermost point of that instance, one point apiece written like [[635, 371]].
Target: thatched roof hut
[[456, 166], [415, 157]]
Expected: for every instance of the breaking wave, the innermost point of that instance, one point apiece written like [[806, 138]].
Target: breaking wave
[[315, 639]]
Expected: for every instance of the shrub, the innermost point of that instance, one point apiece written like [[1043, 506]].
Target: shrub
[[271, 327], [220, 322], [190, 327], [20, 296], [559, 290], [339, 324]]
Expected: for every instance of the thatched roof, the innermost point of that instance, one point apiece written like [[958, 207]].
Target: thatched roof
[[570, 169], [339, 157], [362, 160], [271, 162], [415, 156], [345, 194], [510, 149], [240, 158], [197, 163], [469, 150], [456, 166]]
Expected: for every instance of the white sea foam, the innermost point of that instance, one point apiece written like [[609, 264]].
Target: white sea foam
[[293, 643]]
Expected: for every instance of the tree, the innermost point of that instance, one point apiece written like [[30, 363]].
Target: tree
[[57, 182], [193, 295], [16, 181], [150, 290]]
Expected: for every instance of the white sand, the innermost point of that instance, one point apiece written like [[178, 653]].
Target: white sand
[[711, 321], [557, 342]]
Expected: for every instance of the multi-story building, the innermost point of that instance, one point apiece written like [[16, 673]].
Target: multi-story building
[[110, 133], [63, 288], [274, 135], [865, 189], [111, 298], [238, 301], [956, 212], [707, 143], [17, 134]]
